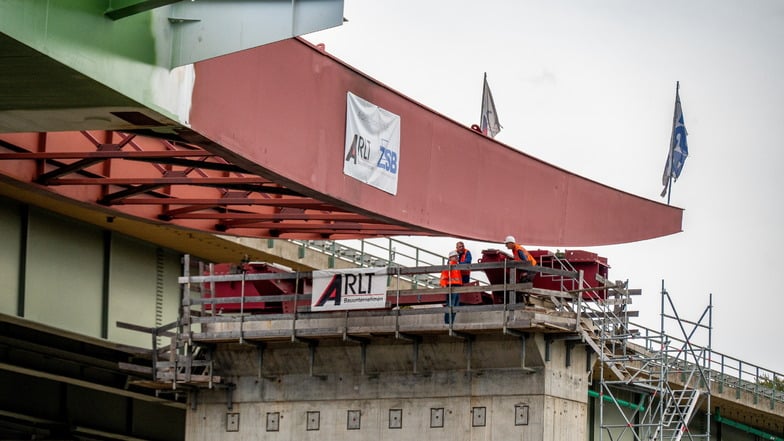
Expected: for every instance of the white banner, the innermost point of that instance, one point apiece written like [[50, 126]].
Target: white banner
[[359, 288], [372, 148]]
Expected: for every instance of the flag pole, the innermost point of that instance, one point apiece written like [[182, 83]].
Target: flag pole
[[481, 110], [672, 139]]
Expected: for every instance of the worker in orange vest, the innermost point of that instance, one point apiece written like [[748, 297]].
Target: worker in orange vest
[[521, 254], [463, 256], [450, 278]]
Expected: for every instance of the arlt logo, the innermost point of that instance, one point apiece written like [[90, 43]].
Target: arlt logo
[[359, 147], [341, 289], [336, 288]]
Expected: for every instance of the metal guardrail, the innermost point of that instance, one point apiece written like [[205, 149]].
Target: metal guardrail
[[200, 306], [387, 252], [727, 371]]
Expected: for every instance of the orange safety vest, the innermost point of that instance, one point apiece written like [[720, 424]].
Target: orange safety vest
[[525, 252], [451, 277], [461, 259]]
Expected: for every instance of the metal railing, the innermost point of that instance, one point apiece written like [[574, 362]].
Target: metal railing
[[386, 252], [727, 372]]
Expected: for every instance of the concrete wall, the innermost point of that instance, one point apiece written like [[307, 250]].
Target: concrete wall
[[338, 397]]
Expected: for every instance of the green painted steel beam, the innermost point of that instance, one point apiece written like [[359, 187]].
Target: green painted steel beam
[[745, 428], [622, 403], [71, 67]]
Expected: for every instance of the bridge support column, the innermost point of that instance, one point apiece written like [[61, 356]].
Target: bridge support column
[[491, 387]]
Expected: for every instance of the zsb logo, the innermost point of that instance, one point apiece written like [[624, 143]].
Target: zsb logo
[[360, 148], [387, 160]]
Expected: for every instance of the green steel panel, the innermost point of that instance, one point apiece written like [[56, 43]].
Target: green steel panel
[[69, 26], [171, 286], [133, 287], [112, 413], [210, 28], [11, 238], [30, 395], [64, 274], [131, 56], [147, 57], [149, 421]]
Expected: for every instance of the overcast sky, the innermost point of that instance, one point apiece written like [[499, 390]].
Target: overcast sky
[[589, 86]]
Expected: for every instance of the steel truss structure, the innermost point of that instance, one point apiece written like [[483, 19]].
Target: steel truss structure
[[670, 376], [178, 182]]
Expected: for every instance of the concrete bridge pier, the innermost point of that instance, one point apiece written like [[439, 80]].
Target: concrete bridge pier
[[434, 387]]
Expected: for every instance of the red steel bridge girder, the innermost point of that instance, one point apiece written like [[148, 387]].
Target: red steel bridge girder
[[263, 157], [283, 110]]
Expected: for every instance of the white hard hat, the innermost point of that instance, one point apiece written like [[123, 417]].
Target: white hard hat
[[453, 253], [509, 239]]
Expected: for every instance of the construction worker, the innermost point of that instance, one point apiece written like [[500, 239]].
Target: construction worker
[[451, 278], [463, 256], [521, 254]]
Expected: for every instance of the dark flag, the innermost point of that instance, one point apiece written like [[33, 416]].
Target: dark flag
[[488, 123], [679, 149]]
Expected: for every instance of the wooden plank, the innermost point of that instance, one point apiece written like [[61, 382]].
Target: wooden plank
[[194, 363], [148, 384], [610, 314], [603, 355], [180, 377], [619, 301], [130, 367], [132, 327]]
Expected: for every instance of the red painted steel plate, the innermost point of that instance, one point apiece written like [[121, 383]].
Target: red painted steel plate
[[282, 108]]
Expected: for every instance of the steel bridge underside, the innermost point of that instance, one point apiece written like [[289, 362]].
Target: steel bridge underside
[[262, 156]]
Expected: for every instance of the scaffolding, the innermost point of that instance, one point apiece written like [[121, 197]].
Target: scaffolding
[[187, 362], [671, 377], [667, 375]]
